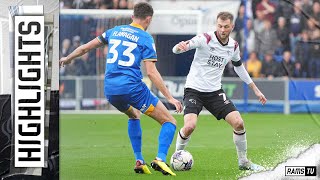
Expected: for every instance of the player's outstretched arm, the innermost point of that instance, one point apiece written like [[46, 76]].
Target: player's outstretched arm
[[157, 80], [193, 43], [181, 47], [244, 76], [81, 50]]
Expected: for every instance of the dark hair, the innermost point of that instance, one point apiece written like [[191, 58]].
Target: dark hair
[[225, 16], [142, 10]]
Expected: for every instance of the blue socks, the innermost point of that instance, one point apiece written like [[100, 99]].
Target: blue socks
[[135, 134], [165, 139]]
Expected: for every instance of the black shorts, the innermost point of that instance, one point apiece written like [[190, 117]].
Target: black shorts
[[217, 103]]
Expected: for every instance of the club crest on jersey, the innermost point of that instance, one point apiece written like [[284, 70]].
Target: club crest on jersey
[[212, 49], [193, 101], [226, 101]]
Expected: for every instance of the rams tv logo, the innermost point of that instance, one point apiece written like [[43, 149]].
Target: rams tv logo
[[29, 91], [301, 170]]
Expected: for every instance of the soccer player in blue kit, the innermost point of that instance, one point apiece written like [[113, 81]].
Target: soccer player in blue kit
[[124, 89]]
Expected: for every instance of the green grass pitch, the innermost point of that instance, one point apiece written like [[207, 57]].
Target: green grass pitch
[[96, 146]]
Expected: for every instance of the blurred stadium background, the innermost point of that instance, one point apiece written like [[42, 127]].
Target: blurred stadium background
[[280, 45]]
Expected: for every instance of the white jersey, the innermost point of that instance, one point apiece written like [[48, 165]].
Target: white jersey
[[209, 61]]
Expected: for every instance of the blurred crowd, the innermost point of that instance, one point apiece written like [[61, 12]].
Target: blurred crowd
[[282, 38], [98, 4]]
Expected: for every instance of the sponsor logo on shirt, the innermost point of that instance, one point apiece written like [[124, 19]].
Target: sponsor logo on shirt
[[216, 61]]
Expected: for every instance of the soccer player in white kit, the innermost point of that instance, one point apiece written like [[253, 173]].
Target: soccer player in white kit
[[203, 86]]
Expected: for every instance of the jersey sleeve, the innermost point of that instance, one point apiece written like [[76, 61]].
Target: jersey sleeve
[[149, 50], [103, 38], [236, 59]]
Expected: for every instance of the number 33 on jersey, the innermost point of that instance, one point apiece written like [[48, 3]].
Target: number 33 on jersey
[[128, 46]]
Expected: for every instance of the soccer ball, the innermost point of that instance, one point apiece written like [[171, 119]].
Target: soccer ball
[[181, 160]]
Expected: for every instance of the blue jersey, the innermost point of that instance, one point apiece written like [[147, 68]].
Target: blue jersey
[[128, 46]]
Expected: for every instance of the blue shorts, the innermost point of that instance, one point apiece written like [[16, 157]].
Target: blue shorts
[[141, 99]]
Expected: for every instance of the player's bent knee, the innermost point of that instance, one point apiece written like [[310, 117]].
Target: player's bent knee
[[235, 120], [133, 114], [189, 128], [137, 114], [239, 124]]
